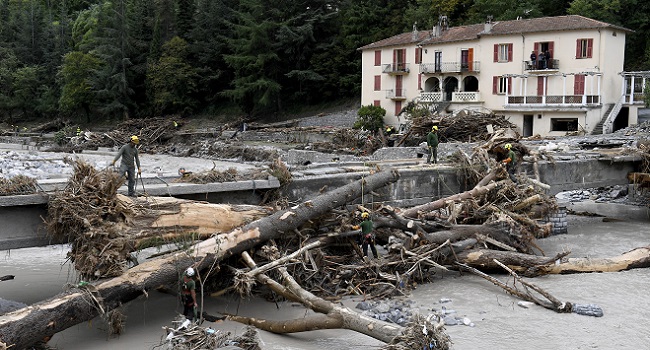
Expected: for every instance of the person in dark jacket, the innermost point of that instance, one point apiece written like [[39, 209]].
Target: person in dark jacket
[[188, 295], [432, 142], [129, 155]]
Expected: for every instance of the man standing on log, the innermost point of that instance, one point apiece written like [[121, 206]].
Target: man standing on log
[[510, 162], [432, 142], [129, 153], [188, 295], [367, 236]]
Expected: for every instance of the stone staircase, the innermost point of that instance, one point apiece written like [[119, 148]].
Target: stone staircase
[[598, 129]]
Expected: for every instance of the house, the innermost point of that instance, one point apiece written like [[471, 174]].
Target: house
[[548, 75]]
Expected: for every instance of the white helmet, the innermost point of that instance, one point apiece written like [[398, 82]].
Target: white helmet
[[189, 272]]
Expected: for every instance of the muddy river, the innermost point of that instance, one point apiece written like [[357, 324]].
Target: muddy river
[[499, 323]]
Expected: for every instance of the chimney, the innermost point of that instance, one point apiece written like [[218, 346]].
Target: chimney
[[488, 25], [415, 31]]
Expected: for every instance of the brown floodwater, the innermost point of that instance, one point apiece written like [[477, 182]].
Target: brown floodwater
[[499, 323]]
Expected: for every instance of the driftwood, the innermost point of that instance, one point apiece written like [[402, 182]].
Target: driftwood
[[334, 316], [27, 326], [535, 294], [477, 191], [532, 265]]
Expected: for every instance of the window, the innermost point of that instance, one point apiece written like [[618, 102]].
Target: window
[[377, 103], [420, 81], [399, 60], [564, 124], [377, 82], [500, 84], [398, 107], [584, 48], [418, 55], [502, 52], [378, 58]]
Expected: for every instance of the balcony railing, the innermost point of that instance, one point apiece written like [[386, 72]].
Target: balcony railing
[[450, 67], [637, 98], [395, 68], [555, 100], [456, 97], [396, 94], [551, 64]]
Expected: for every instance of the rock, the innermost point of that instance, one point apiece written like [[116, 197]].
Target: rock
[[364, 305], [588, 310]]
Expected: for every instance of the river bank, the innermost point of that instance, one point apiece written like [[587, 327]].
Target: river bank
[[498, 322]]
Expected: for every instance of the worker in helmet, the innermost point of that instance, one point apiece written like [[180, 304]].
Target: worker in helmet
[[129, 154], [510, 162], [188, 295], [367, 236], [432, 142]]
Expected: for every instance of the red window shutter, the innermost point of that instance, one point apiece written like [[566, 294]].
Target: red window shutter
[[509, 85], [579, 85], [495, 85], [398, 107], [540, 86], [550, 49], [378, 58], [418, 55], [377, 103], [496, 52], [377, 82], [420, 81], [578, 47], [536, 48], [590, 47], [509, 52], [394, 57], [403, 60]]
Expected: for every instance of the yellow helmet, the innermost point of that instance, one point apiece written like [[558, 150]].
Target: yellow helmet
[[365, 215], [508, 146], [135, 139], [434, 128]]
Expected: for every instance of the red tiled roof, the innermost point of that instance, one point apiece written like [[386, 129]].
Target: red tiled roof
[[474, 31], [399, 39]]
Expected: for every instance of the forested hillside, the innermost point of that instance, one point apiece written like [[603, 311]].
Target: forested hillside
[[103, 60]]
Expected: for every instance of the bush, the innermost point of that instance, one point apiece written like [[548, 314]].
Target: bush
[[370, 118]]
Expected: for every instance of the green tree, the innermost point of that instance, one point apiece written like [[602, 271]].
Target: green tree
[[502, 10], [8, 65], [371, 118], [209, 45], [27, 89], [255, 63], [112, 47], [185, 18], [77, 75], [172, 80]]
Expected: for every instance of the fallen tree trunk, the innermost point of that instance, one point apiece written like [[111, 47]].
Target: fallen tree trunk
[[27, 326], [532, 265], [477, 191]]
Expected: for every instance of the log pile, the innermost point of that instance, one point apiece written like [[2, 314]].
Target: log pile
[[308, 252]]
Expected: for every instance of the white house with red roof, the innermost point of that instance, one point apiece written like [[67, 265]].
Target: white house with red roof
[[548, 75]]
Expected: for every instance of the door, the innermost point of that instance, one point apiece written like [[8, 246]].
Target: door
[[528, 125], [464, 60], [438, 61]]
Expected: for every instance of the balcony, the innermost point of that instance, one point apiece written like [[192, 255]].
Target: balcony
[[395, 68], [544, 66], [450, 67], [456, 97], [554, 100], [396, 94], [636, 98]]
